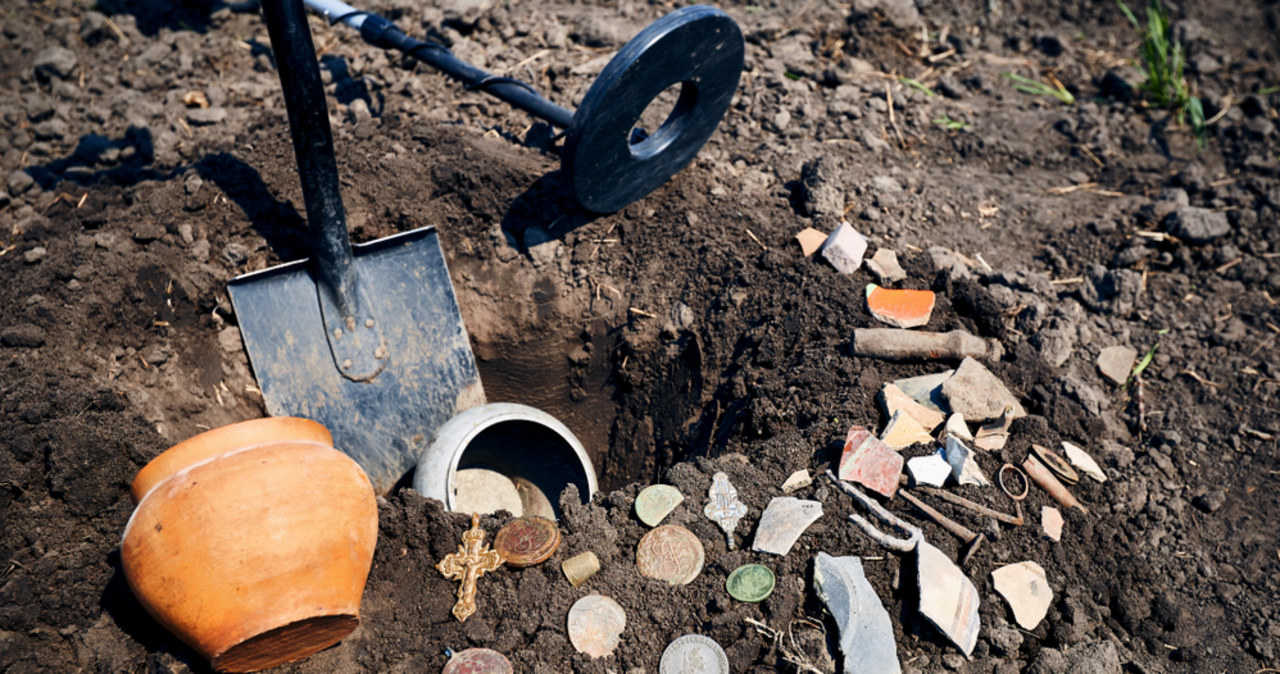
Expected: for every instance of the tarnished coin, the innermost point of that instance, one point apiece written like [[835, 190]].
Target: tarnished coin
[[1057, 464], [750, 583], [671, 553], [526, 541], [693, 654], [655, 502], [595, 625], [478, 661]]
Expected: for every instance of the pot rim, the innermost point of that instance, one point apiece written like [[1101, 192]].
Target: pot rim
[[458, 432]]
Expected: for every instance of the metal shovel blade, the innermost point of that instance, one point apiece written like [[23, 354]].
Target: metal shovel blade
[[430, 374]]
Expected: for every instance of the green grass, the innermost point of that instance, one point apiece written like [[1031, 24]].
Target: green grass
[[918, 85], [1267, 91], [946, 122], [1029, 86], [1164, 62]]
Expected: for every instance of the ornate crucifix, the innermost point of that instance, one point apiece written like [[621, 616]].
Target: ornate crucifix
[[472, 560]]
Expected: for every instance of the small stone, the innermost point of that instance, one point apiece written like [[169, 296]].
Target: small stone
[[964, 468], [1210, 501], [1197, 225], [810, 240], [1116, 362], [900, 308], [55, 62], [1081, 459], [932, 470], [977, 394], [797, 481], [34, 255], [206, 116], [148, 232], [869, 462], [884, 264], [1051, 522], [893, 401], [25, 335], [866, 631], [1026, 588], [957, 427], [596, 623], [655, 502], [541, 245], [782, 523], [926, 389], [948, 598], [844, 249], [19, 182], [229, 340], [154, 354], [903, 431]]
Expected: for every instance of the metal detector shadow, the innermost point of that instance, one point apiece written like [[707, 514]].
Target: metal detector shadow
[[383, 423]]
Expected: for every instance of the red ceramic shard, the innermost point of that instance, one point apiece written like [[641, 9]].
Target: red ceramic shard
[[900, 308], [869, 462]]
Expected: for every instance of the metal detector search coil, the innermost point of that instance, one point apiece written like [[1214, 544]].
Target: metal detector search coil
[[606, 165]]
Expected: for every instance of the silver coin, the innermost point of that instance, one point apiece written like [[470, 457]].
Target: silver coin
[[693, 654]]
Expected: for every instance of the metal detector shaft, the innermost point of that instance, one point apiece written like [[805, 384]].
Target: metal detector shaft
[[384, 34]]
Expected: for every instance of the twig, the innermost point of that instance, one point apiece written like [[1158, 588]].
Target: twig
[[893, 122], [753, 238], [1067, 281], [641, 312], [1222, 269], [1202, 380]]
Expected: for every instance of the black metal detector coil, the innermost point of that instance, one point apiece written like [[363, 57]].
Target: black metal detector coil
[[606, 164]]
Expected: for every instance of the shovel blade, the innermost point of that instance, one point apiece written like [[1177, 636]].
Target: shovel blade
[[384, 424]]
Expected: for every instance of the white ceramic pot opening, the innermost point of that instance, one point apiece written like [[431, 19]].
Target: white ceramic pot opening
[[504, 456]]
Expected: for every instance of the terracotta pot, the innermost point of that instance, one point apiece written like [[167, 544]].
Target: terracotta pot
[[252, 543]]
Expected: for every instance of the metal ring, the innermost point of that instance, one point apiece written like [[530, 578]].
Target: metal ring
[[699, 48], [1026, 482]]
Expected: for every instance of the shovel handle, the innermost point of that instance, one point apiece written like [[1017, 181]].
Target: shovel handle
[[355, 338], [295, 57]]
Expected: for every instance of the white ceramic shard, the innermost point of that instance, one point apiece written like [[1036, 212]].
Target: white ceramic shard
[[782, 522], [956, 426], [1051, 522], [844, 249], [903, 431], [796, 481], [1115, 363], [866, 632], [964, 468], [1026, 588], [1081, 459], [948, 598], [932, 470]]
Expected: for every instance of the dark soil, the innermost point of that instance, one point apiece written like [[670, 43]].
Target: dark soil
[[681, 336]]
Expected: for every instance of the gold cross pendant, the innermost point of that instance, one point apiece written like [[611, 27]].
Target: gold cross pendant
[[472, 560]]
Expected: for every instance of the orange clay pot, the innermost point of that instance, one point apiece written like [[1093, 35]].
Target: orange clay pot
[[252, 542]]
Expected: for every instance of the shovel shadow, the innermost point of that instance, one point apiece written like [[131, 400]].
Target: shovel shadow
[[278, 222]]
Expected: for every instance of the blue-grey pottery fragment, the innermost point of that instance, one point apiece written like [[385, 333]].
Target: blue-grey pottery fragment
[[866, 633]]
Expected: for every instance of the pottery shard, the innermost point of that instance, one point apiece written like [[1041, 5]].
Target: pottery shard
[[797, 481], [977, 394], [894, 400], [926, 389], [903, 431], [866, 632], [964, 468], [869, 462], [948, 599], [783, 521], [957, 427], [810, 240], [1116, 362], [1081, 459], [844, 249], [884, 264], [900, 308], [1026, 587], [932, 470], [1051, 523]]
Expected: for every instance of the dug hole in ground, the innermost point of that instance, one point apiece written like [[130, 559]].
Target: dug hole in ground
[[146, 162]]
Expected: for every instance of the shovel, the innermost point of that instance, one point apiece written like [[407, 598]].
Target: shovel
[[366, 340]]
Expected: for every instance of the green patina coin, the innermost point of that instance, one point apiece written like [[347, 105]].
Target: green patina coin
[[750, 583]]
